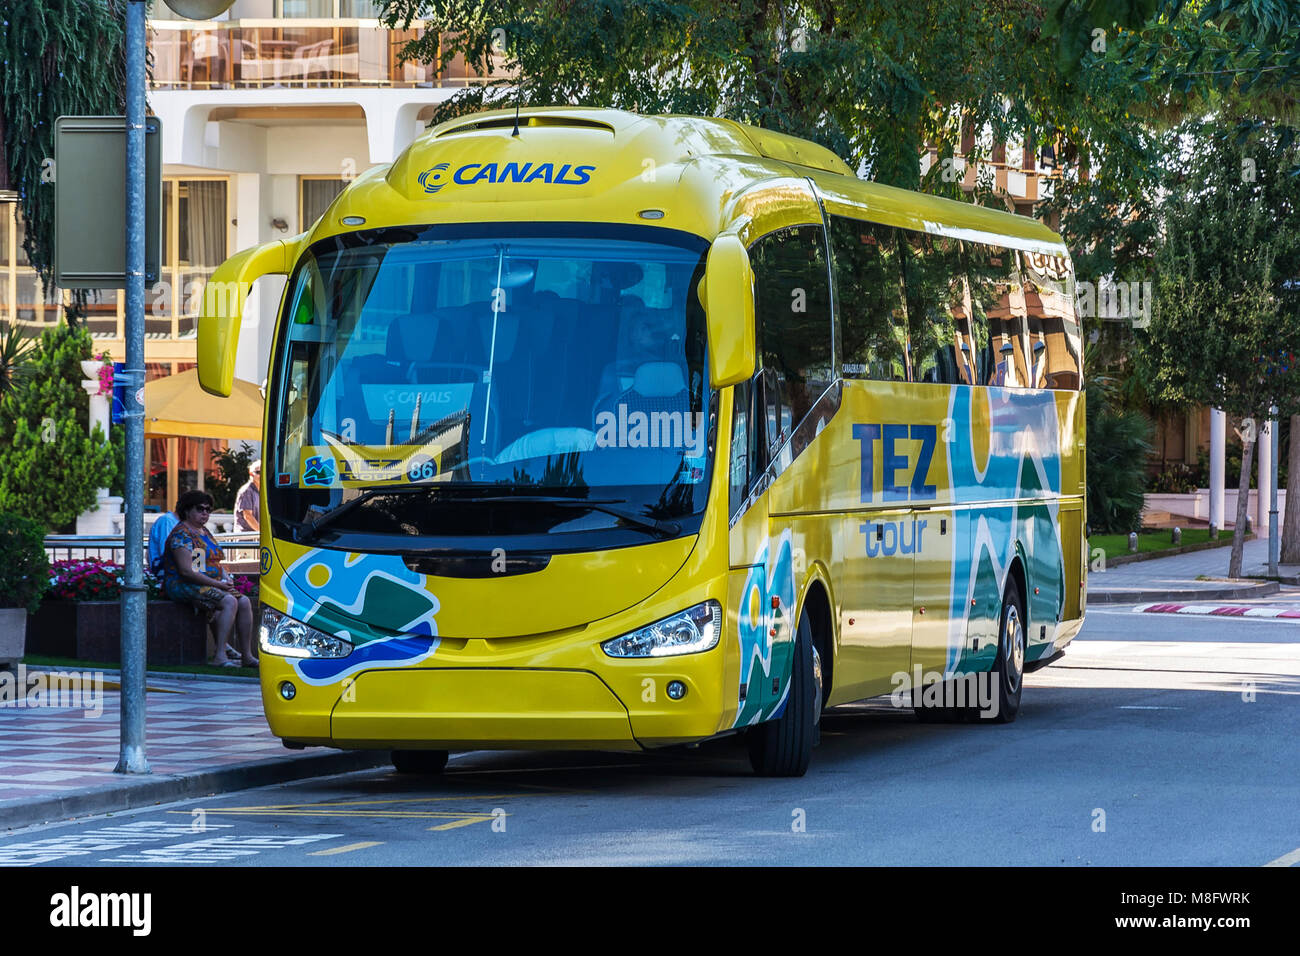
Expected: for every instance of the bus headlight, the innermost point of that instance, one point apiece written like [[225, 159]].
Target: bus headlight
[[687, 632], [281, 634]]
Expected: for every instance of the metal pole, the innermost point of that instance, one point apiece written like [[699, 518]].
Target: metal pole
[[132, 758], [1274, 542]]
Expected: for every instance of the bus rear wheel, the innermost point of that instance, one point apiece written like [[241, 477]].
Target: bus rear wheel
[[783, 747], [419, 761]]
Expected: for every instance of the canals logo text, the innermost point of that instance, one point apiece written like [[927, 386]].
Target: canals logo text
[[434, 178]]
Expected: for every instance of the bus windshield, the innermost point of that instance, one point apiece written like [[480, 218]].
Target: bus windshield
[[517, 363]]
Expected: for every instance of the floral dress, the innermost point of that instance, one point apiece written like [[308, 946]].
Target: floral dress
[[206, 555]]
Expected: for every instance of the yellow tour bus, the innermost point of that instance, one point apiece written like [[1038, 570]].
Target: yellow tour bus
[[589, 430]]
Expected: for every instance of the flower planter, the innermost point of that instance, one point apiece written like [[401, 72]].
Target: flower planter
[[92, 631], [13, 629]]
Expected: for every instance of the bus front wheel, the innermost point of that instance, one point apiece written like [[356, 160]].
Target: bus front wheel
[[783, 747], [419, 761]]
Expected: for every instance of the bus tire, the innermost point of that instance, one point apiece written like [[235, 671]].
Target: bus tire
[[1009, 668], [419, 761], [783, 747]]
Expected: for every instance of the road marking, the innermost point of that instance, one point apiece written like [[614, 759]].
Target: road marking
[[386, 808], [1146, 707], [1291, 859], [347, 849], [461, 823], [1257, 612]]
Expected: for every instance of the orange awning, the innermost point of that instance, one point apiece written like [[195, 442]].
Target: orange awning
[[176, 406]]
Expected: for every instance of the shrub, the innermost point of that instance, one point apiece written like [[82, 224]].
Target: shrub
[[24, 571], [1119, 442], [1176, 479]]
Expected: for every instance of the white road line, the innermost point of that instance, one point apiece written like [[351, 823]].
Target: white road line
[[1290, 859]]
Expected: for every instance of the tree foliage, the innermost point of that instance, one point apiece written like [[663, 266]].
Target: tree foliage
[[1225, 330], [50, 466], [875, 80]]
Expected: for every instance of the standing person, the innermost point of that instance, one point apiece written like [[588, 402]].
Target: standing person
[[192, 574], [248, 502]]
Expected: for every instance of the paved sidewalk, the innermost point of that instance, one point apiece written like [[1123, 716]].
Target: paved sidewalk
[[1177, 577], [207, 735]]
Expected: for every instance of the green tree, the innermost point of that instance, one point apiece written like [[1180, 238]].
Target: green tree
[[50, 467], [1224, 330], [875, 81]]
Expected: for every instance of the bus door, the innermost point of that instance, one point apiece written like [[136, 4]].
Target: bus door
[[760, 582], [876, 613]]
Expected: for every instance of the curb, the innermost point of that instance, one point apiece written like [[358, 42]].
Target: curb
[[116, 672], [147, 790], [1198, 594], [1129, 558]]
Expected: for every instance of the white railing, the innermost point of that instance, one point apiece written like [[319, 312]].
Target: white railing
[[240, 546]]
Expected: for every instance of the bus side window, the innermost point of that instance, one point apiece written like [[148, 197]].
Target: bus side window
[[868, 300], [792, 312], [938, 309], [1053, 326], [998, 297]]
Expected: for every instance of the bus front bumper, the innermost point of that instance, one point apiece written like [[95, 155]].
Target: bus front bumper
[[487, 708]]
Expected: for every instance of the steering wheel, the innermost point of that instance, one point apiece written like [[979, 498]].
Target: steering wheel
[[548, 441]]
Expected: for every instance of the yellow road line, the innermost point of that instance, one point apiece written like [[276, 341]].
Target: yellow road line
[[366, 803], [460, 823], [347, 849], [1290, 859]]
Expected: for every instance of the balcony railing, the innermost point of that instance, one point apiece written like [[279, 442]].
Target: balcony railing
[[243, 54]]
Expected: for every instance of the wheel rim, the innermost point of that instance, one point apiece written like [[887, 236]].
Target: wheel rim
[[1013, 643], [817, 684]]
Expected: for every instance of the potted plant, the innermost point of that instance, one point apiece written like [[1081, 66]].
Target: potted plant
[[24, 576]]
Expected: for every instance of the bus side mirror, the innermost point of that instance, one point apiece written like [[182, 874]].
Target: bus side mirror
[[729, 308], [224, 298]]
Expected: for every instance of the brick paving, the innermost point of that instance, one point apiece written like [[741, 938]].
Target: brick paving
[[190, 725]]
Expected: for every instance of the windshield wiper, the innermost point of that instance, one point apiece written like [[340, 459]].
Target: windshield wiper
[[668, 529], [308, 530]]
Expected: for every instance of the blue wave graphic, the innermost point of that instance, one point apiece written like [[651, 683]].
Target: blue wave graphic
[[392, 651]]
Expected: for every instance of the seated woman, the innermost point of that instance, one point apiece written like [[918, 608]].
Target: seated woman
[[192, 574]]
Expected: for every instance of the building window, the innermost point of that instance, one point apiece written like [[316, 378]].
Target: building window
[[196, 222], [315, 195]]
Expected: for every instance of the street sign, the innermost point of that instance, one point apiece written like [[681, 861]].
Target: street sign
[[90, 201]]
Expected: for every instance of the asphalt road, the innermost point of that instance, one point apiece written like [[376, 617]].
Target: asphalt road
[[1158, 739]]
